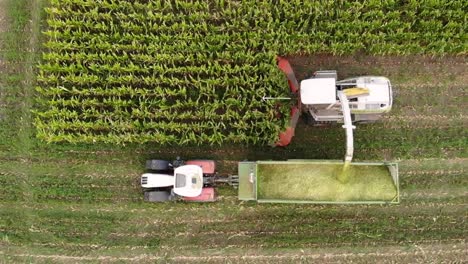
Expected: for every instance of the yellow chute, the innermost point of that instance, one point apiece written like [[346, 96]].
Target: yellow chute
[[356, 92]]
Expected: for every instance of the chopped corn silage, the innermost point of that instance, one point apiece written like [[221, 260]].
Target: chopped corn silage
[[319, 182]]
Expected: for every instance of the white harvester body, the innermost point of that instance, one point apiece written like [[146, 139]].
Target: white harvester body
[[360, 99], [319, 96]]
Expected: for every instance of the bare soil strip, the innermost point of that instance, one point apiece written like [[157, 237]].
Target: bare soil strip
[[427, 252]]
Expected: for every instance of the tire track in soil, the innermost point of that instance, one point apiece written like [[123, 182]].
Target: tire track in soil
[[172, 221], [100, 199], [407, 207], [84, 246], [454, 248], [422, 164], [251, 219], [246, 233], [423, 121], [236, 239], [244, 226], [434, 172], [435, 194]]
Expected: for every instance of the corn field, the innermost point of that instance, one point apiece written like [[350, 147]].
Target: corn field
[[185, 72]]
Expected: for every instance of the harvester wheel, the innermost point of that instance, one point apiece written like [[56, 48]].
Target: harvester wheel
[[366, 122], [157, 196], [157, 165], [309, 120]]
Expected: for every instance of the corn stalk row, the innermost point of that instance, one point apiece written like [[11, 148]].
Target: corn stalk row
[[185, 72]]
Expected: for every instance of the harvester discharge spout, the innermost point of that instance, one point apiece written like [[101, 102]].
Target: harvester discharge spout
[[348, 126]]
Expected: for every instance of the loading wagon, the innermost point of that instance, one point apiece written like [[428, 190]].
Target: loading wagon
[[317, 181], [291, 181]]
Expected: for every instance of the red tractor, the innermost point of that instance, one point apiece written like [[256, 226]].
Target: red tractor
[[191, 180]]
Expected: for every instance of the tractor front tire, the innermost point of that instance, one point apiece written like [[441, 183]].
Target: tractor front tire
[[157, 196], [157, 165]]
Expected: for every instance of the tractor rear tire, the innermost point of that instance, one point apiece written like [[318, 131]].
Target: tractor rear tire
[[157, 165], [157, 196]]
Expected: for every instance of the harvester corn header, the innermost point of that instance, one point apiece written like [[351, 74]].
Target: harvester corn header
[[322, 99]]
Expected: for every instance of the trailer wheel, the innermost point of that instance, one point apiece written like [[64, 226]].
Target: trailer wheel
[[158, 165], [157, 196]]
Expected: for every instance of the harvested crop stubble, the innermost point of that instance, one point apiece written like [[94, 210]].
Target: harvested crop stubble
[[318, 182]]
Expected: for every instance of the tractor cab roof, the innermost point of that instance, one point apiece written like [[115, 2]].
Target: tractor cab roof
[[188, 180]]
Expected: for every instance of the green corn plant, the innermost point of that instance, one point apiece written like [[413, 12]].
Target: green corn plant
[[180, 67]]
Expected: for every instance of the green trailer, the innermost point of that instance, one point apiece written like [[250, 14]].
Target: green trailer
[[318, 181]]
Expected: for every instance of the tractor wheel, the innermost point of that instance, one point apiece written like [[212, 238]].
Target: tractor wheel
[[157, 165], [157, 196]]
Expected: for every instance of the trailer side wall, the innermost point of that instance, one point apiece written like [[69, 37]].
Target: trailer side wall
[[315, 181]]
